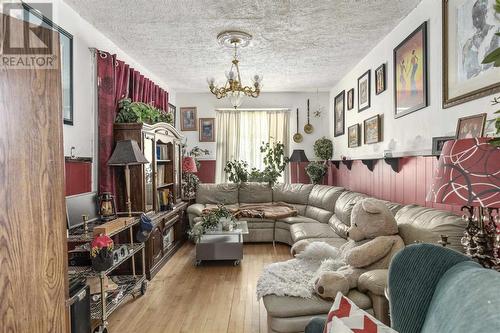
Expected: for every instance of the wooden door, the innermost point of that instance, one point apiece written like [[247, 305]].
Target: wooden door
[[33, 259], [157, 245]]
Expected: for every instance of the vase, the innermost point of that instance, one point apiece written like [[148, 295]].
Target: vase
[[226, 223], [103, 261]]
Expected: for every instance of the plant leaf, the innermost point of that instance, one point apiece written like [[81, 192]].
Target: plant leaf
[[494, 56]]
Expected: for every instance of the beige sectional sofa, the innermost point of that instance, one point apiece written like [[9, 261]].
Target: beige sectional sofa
[[324, 214]]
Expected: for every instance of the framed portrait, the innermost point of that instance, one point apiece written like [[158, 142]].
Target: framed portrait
[[410, 73], [207, 130], [372, 130], [438, 143], [364, 91], [469, 28], [353, 136], [188, 119], [172, 109], [339, 114], [350, 99], [66, 45], [380, 79], [471, 127]]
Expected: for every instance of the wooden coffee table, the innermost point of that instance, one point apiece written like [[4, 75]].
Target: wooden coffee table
[[222, 245]]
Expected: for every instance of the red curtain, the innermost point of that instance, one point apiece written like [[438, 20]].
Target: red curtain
[[115, 81]]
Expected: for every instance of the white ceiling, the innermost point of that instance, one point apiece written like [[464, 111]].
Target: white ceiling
[[297, 45]]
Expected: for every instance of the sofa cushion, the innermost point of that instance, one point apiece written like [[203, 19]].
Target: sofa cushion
[[344, 205], [195, 209], [338, 226], [422, 224], [288, 221], [288, 306], [256, 223], [217, 194], [292, 193], [321, 202], [333, 241], [301, 231], [255, 193]]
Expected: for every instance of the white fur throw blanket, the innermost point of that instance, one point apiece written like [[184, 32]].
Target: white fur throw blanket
[[295, 277]]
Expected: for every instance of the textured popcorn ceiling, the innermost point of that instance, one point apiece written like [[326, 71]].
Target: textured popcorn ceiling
[[297, 45]]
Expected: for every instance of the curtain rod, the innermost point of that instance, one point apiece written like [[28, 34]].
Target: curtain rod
[[253, 109]]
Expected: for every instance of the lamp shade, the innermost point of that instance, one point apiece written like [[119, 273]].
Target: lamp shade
[[127, 152], [189, 164], [298, 155], [468, 174]]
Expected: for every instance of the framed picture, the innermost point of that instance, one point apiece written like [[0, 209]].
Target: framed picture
[[172, 109], [66, 45], [350, 99], [339, 114], [372, 129], [410, 73], [207, 130], [364, 91], [353, 137], [380, 79], [471, 127], [469, 29], [188, 119], [438, 143]]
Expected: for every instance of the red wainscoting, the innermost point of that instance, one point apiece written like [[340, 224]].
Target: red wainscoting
[[78, 177], [409, 186], [206, 171]]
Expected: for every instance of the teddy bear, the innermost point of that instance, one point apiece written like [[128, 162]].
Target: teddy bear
[[373, 242]]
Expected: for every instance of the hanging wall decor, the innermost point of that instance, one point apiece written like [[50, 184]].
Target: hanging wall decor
[[339, 114], [364, 91]]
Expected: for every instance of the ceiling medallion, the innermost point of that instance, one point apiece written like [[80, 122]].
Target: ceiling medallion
[[233, 87]]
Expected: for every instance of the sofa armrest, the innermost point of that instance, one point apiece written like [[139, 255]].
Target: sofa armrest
[[194, 211], [374, 281]]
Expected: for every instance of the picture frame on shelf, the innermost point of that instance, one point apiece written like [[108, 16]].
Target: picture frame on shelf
[[173, 109], [353, 136], [465, 78], [410, 73], [372, 130], [207, 130], [364, 91], [350, 99], [471, 126], [380, 80], [188, 119], [438, 143], [339, 114]]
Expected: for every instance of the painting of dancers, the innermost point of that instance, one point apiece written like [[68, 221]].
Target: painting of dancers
[[410, 74]]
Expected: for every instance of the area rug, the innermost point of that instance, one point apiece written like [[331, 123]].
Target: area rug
[[295, 277]]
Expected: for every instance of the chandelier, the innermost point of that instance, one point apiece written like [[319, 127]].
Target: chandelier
[[233, 87]]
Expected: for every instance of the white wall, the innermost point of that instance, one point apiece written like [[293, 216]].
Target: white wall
[[412, 132], [206, 103]]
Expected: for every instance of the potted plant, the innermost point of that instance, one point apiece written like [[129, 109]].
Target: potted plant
[[217, 219], [102, 253], [323, 149], [138, 112]]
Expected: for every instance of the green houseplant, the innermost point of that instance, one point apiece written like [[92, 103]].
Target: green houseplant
[[323, 149], [211, 221], [138, 112]]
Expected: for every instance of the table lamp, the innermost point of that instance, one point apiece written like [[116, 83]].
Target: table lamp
[[298, 156], [468, 174], [126, 153]]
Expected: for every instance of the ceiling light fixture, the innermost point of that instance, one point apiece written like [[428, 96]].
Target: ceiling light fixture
[[233, 87]]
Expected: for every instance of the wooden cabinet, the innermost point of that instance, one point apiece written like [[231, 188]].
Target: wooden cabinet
[[150, 184]]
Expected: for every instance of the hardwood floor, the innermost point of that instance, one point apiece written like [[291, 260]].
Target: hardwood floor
[[215, 297]]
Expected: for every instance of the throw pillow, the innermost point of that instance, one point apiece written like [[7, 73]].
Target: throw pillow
[[346, 317]]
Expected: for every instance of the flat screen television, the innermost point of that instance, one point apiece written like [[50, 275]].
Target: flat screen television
[[78, 205]]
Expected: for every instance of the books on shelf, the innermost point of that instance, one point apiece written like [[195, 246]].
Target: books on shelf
[[161, 152], [163, 198], [160, 175]]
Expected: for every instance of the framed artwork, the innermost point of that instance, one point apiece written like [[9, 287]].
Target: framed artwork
[[410, 73], [172, 109], [372, 129], [350, 99], [469, 29], [364, 91], [438, 143], [188, 119], [339, 114], [207, 130], [471, 127], [353, 136], [380, 79], [66, 45]]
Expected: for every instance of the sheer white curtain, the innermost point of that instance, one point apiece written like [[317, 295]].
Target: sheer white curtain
[[240, 133]]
